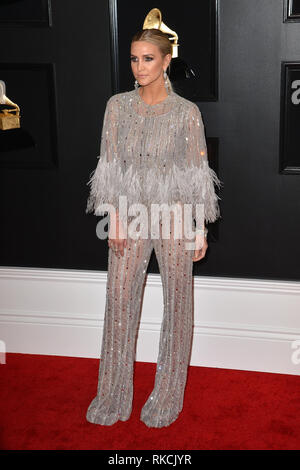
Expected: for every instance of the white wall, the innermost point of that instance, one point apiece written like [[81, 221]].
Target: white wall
[[238, 323]]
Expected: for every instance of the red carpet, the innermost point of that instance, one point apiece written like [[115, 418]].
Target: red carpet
[[43, 401]]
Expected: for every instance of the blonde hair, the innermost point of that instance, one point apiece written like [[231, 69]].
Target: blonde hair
[[159, 39]]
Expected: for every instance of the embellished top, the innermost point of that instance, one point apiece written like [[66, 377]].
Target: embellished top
[[153, 154]]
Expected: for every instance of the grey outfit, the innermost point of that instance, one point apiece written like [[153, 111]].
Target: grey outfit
[[150, 154]]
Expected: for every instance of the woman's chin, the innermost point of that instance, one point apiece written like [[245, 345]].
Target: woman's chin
[[143, 81]]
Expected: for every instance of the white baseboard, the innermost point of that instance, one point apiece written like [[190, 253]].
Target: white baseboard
[[238, 323]]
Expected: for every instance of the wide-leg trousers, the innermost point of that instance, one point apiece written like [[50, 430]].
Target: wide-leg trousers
[[124, 291]]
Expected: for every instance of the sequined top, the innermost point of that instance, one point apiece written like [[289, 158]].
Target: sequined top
[[153, 154]]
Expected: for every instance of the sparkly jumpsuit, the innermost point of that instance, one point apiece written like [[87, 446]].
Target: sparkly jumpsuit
[[150, 154]]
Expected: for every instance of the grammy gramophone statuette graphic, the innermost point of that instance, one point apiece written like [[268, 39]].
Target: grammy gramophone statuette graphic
[[179, 69], [9, 111]]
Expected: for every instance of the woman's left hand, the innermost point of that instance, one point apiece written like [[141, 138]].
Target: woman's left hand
[[201, 247]]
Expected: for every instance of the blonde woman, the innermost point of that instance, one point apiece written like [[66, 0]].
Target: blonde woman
[[153, 150]]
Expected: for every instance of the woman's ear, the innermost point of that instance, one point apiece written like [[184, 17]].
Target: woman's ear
[[167, 60]]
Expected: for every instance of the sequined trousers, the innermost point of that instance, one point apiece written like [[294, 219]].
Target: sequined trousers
[[124, 291]]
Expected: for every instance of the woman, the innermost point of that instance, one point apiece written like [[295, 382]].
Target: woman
[[153, 150]]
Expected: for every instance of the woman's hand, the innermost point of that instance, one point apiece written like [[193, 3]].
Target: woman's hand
[[201, 247], [119, 242]]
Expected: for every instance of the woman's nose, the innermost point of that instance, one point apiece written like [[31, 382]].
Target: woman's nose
[[139, 66]]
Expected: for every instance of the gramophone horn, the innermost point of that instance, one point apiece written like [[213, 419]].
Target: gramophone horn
[[154, 20], [2, 91]]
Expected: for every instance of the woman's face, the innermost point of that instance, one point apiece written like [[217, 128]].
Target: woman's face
[[147, 63]]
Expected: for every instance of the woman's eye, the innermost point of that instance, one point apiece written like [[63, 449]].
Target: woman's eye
[[147, 59]]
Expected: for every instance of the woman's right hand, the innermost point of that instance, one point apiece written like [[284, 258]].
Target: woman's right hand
[[119, 242]]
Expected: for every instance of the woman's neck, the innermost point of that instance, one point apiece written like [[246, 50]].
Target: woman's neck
[[153, 93]]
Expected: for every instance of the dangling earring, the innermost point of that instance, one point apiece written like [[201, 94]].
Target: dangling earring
[[136, 84], [166, 79]]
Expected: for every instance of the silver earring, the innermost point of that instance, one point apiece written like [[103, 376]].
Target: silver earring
[[166, 78], [136, 84]]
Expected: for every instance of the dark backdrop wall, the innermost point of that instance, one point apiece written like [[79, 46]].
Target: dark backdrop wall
[[42, 207]]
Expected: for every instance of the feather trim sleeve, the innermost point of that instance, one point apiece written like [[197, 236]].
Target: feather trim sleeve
[[200, 178], [105, 180]]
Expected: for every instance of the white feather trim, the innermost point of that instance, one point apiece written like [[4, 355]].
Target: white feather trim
[[189, 185]]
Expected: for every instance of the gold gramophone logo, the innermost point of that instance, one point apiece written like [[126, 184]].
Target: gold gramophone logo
[[9, 111], [154, 20]]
